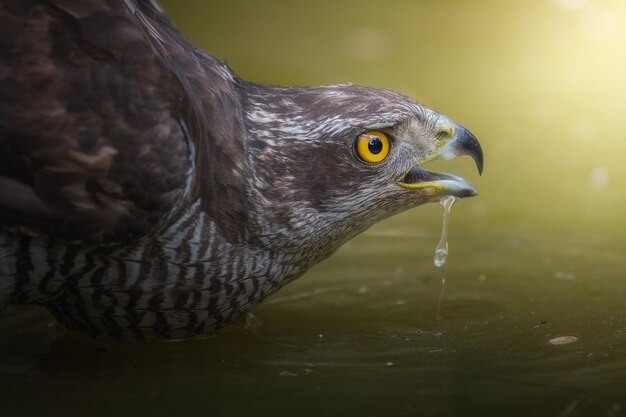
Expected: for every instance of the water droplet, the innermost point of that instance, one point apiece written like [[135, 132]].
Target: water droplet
[[441, 252]]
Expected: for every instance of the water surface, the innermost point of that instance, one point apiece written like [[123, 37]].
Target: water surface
[[537, 255]]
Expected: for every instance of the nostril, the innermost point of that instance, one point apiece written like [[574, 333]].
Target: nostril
[[445, 132]]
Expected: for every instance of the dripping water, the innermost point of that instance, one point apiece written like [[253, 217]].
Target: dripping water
[[441, 252]]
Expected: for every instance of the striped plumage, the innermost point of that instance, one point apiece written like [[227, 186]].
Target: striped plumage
[[184, 282], [147, 191]]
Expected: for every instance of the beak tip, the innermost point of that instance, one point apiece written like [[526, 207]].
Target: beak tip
[[479, 164], [467, 144]]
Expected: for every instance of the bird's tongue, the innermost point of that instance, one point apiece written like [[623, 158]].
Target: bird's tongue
[[417, 177], [417, 174]]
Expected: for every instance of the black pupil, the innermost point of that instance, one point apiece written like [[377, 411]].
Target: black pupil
[[375, 145]]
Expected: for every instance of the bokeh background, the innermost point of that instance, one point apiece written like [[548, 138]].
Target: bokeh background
[[374, 330], [541, 83]]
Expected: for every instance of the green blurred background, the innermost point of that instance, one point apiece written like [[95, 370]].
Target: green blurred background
[[373, 330], [541, 83]]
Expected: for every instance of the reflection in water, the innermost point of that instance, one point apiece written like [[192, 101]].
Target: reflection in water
[[359, 350]]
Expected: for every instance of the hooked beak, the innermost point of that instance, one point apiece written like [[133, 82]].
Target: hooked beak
[[463, 143], [457, 141]]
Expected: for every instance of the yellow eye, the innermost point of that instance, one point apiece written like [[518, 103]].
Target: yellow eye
[[372, 146]]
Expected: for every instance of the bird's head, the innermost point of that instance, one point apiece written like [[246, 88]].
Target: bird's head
[[328, 162]]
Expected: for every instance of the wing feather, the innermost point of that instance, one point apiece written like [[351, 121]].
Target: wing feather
[[91, 144]]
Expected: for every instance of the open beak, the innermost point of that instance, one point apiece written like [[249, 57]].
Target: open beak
[[460, 141]]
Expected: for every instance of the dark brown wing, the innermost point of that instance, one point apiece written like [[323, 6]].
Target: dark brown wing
[[92, 144], [214, 115]]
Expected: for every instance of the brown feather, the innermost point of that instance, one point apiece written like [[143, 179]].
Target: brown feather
[[92, 108]]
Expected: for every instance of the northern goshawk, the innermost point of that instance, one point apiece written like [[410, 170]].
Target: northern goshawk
[[146, 190]]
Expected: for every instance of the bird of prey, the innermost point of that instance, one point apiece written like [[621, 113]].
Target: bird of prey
[[147, 191]]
